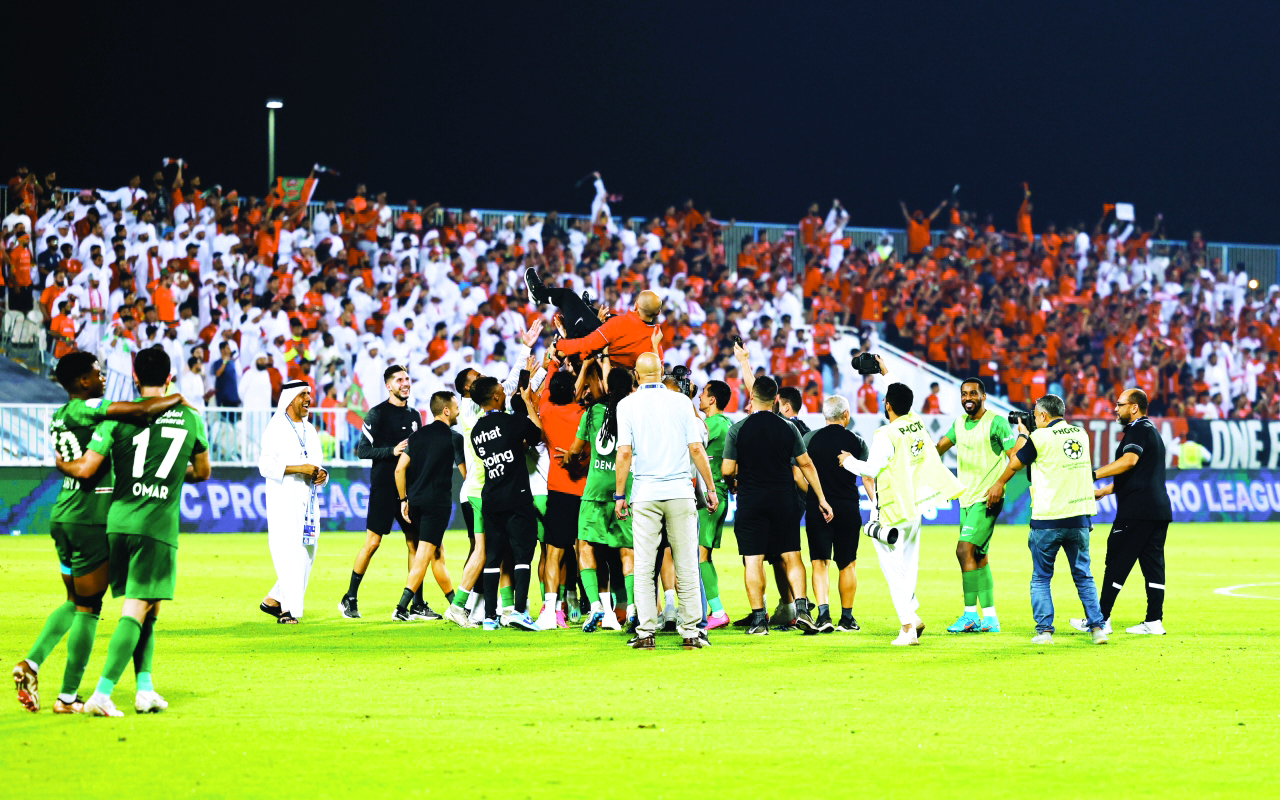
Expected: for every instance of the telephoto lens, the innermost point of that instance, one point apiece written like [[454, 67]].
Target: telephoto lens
[[880, 533]]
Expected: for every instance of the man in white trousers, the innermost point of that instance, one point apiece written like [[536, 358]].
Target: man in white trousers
[[909, 477], [290, 462], [658, 434]]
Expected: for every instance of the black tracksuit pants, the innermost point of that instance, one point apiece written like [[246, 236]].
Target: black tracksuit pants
[[1133, 541]]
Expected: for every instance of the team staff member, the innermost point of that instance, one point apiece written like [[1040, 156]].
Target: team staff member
[[758, 452], [984, 444], [840, 533], [627, 335], [1062, 504], [1143, 513], [715, 396], [424, 482], [383, 437], [500, 440], [560, 415]]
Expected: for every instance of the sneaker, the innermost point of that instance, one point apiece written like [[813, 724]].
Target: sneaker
[[1083, 626], [717, 620], [1099, 636], [989, 625], [1155, 627], [574, 609], [640, 643], [1044, 637], [848, 624], [610, 621], [907, 638], [919, 627], [561, 622], [491, 625], [694, 643], [760, 628], [782, 615], [594, 621], [967, 623], [546, 620], [74, 707], [706, 640], [458, 616], [149, 703], [785, 627], [824, 623], [504, 619], [99, 705], [423, 611], [27, 684], [745, 622], [632, 624], [522, 622], [806, 624], [266, 609], [348, 608], [537, 291], [400, 615]]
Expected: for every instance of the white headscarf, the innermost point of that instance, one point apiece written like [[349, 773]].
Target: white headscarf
[[288, 392]]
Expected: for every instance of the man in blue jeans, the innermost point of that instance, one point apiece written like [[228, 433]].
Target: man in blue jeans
[[1061, 507]]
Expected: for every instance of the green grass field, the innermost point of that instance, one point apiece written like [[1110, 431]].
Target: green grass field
[[354, 708]]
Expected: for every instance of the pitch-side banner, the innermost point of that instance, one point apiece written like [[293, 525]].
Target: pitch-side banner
[[1238, 444]]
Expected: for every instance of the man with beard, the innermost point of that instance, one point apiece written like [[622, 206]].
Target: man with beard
[[983, 441]]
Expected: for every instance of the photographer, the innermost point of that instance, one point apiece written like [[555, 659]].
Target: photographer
[[1061, 506], [1143, 513]]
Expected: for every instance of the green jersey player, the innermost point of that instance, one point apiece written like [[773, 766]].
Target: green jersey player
[[715, 396], [153, 461], [983, 441], [78, 525], [598, 527]]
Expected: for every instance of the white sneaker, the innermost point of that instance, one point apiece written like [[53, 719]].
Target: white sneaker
[[99, 705], [458, 616], [1042, 638], [1099, 636], [149, 703], [1082, 626], [1155, 627], [547, 619], [906, 638], [610, 621]]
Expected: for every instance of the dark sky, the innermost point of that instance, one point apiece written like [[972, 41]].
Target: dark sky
[[752, 110]]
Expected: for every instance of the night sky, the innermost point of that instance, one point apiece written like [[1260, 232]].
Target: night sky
[[752, 110]]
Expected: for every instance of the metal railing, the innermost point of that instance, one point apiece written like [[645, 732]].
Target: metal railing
[[26, 342]]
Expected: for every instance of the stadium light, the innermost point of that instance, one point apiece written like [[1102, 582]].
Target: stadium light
[[272, 105]]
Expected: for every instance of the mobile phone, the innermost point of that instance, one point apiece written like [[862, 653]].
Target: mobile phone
[[737, 340]]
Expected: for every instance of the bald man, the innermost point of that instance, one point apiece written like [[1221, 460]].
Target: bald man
[[626, 336]]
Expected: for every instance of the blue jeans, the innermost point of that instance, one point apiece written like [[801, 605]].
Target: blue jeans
[[1044, 544]]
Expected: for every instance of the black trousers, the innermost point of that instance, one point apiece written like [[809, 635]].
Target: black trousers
[[577, 316], [516, 529], [1140, 541]]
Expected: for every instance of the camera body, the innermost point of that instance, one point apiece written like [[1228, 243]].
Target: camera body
[[680, 373], [880, 533], [1027, 418], [865, 364]]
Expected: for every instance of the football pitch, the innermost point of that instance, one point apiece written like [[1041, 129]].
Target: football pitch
[[356, 708]]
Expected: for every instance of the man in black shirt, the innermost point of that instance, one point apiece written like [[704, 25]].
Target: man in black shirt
[[500, 440], [840, 533], [386, 431], [424, 478], [759, 451], [1143, 512]]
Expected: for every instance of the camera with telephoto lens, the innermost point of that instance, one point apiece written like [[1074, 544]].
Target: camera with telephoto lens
[[880, 533], [1027, 418], [866, 364]]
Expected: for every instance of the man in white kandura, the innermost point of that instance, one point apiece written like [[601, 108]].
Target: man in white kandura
[[290, 462]]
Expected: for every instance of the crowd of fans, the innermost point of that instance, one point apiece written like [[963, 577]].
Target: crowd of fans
[[247, 293]]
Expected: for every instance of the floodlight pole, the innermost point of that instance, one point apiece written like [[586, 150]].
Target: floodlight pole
[[272, 105]]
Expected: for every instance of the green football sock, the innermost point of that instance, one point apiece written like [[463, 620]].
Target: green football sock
[[508, 596], [542, 588], [970, 582], [119, 651], [711, 582], [629, 583], [145, 647], [55, 626], [986, 587], [590, 584], [79, 646], [560, 593], [460, 596]]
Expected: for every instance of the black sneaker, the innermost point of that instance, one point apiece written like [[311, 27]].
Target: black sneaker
[[706, 640], [632, 624], [824, 623], [805, 623], [348, 608], [537, 291], [847, 624], [400, 615], [422, 611], [266, 609], [745, 622], [760, 628]]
